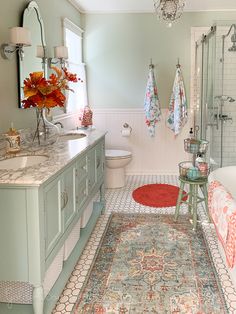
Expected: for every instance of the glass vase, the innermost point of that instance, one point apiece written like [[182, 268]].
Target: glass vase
[[46, 133]]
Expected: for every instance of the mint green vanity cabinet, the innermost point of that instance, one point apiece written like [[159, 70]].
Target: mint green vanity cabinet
[[68, 196], [100, 160], [37, 220], [91, 169], [52, 214], [59, 206]]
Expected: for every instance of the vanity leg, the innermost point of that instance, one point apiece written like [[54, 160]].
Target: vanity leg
[[102, 197], [38, 299]]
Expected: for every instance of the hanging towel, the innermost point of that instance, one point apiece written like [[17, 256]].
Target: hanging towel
[[177, 115], [151, 103]]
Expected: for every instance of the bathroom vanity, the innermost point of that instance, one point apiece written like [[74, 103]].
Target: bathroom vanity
[[40, 227]]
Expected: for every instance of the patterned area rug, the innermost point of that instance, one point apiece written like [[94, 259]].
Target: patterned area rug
[[157, 195], [149, 264]]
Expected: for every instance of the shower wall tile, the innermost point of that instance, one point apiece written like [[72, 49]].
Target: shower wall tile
[[229, 89]]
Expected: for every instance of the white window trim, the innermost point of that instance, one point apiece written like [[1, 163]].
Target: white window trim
[[66, 23], [71, 26]]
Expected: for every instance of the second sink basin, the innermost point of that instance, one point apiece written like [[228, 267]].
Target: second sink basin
[[22, 161], [72, 136]]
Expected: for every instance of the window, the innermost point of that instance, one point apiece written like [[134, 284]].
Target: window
[[73, 40]]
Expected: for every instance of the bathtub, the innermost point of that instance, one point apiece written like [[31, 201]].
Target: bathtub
[[227, 177], [222, 209]]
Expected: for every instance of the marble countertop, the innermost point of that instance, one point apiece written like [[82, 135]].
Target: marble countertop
[[59, 155]]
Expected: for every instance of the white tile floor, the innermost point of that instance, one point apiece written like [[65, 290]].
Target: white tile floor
[[120, 200]]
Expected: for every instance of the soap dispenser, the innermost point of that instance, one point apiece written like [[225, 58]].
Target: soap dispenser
[[13, 140]]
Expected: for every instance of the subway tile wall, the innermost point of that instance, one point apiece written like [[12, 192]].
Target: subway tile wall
[[226, 87]]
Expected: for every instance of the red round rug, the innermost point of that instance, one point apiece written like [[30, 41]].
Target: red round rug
[[157, 195]]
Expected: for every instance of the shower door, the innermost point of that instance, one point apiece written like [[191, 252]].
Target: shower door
[[227, 115], [216, 93], [206, 107]]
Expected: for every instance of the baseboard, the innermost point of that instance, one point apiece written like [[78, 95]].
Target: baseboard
[[148, 173]]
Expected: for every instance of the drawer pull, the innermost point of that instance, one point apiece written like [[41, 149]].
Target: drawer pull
[[63, 200], [98, 162], [66, 198]]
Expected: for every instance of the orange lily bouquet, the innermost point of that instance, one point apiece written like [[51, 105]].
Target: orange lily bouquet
[[42, 93], [45, 94]]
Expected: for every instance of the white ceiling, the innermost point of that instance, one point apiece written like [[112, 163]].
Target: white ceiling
[[106, 6]]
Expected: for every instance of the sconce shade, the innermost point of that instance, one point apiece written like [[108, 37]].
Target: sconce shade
[[20, 36], [61, 52], [40, 52]]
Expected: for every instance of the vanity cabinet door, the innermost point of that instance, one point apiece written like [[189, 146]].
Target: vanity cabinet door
[[100, 160], [68, 196], [91, 169], [53, 214]]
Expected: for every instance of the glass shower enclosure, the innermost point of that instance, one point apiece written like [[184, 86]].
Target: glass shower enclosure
[[215, 92]]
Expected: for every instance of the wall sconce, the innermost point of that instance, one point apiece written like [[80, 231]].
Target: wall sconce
[[19, 37], [60, 55]]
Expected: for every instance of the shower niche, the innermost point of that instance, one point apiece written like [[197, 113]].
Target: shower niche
[[215, 92]]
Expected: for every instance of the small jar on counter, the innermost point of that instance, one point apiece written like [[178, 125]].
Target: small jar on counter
[[13, 141]]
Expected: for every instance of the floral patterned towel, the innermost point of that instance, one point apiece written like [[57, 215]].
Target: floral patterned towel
[[151, 103], [177, 115], [222, 208]]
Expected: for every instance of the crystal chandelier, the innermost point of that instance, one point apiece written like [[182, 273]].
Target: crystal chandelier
[[169, 10]]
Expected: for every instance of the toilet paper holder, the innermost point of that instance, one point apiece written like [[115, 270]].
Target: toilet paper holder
[[127, 126], [126, 130]]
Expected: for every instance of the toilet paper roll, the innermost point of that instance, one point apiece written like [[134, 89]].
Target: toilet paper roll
[[126, 132]]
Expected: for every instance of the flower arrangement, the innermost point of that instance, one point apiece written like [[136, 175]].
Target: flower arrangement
[[42, 93]]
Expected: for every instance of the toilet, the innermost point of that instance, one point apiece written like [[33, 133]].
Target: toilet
[[116, 161]]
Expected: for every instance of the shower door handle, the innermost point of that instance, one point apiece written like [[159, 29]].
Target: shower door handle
[[217, 115], [206, 116]]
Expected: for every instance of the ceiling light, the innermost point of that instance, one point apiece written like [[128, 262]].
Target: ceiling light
[[169, 10]]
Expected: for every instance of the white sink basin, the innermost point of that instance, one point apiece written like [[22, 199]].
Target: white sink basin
[[22, 161], [72, 136]]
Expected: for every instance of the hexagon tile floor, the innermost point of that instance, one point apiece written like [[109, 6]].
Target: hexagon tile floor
[[120, 200]]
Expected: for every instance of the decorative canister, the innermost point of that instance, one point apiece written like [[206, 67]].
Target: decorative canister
[[203, 167], [194, 146], [13, 141], [193, 173]]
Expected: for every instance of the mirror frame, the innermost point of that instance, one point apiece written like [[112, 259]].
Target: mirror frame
[[27, 11]]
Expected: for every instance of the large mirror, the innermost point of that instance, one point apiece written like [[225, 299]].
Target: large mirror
[[30, 62]]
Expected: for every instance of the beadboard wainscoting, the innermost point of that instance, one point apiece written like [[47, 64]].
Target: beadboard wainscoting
[[151, 155]]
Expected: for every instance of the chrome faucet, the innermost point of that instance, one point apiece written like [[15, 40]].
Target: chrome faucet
[[58, 122]]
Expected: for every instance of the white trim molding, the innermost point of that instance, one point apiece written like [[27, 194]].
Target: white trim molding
[[72, 26], [76, 5]]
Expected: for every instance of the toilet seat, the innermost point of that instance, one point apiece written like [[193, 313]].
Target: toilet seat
[[116, 153]]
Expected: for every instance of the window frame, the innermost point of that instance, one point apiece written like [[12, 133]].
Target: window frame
[[68, 24]]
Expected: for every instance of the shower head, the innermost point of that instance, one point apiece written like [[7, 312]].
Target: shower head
[[233, 48], [225, 98], [233, 40], [230, 99]]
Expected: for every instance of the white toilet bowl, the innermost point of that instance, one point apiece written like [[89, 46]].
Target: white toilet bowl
[[116, 160]]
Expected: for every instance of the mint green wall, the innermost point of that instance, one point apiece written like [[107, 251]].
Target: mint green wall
[[11, 11], [118, 48]]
